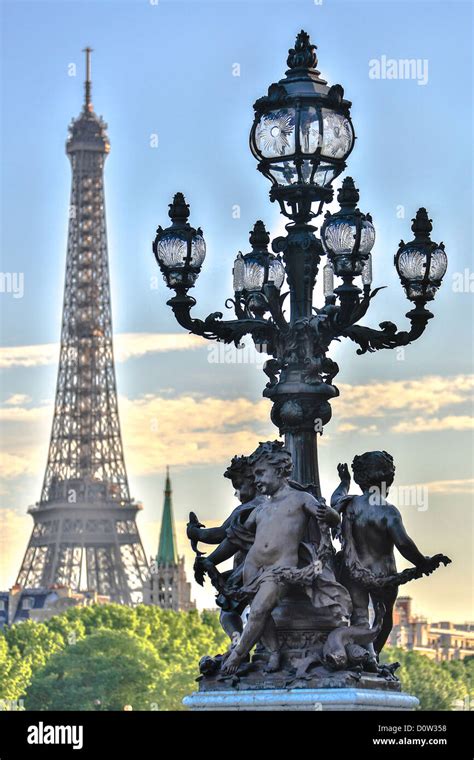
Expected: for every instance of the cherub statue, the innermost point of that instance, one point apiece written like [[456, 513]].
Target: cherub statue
[[278, 527], [371, 529], [240, 473]]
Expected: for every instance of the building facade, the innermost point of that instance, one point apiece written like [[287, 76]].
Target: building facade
[[40, 604], [167, 586], [439, 641]]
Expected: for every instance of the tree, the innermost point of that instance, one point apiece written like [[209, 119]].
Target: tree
[[177, 639], [34, 642], [431, 682], [15, 673], [105, 670], [148, 657]]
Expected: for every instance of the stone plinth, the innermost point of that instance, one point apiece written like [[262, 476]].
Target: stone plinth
[[300, 700]]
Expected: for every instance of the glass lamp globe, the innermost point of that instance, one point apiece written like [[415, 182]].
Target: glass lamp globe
[[302, 132], [180, 250], [348, 236], [421, 264], [254, 270]]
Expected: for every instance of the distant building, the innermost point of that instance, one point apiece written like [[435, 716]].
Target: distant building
[[439, 641], [39, 604], [167, 586]]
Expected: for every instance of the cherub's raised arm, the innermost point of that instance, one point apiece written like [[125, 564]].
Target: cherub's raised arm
[[343, 488]]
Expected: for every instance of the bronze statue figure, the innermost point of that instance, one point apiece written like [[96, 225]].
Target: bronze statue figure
[[371, 529], [280, 538], [240, 473]]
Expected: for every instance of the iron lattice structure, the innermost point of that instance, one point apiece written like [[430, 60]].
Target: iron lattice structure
[[85, 533]]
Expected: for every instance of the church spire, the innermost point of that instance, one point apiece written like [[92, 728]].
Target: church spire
[[167, 553], [88, 82]]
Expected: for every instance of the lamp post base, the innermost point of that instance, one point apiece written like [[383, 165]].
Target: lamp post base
[[353, 699]]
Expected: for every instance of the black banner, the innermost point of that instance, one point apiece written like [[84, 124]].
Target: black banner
[[377, 734]]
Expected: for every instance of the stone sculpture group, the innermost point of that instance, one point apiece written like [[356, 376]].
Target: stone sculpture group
[[315, 614]]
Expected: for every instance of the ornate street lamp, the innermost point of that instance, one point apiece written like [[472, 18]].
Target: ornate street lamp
[[348, 236], [180, 250], [258, 275], [421, 264], [302, 135]]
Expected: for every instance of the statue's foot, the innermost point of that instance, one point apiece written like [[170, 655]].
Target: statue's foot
[[232, 663], [371, 665], [273, 663]]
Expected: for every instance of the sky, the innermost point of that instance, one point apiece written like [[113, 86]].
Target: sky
[[164, 78]]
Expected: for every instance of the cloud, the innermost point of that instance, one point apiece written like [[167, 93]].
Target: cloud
[[24, 440], [126, 346], [426, 395], [193, 429], [405, 406], [24, 462], [434, 424], [17, 399], [28, 356], [133, 345], [180, 431], [449, 487], [348, 427], [190, 430], [24, 414]]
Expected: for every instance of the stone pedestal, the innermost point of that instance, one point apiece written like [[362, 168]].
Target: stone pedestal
[[300, 700], [304, 679]]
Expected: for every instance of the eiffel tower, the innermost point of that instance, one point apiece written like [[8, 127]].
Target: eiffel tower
[[85, 534]]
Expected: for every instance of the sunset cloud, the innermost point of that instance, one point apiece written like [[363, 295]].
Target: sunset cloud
[[191, 429], [24, 462], [424, 395], [449, 487], [17, 399], [434, 424], [126, 346]]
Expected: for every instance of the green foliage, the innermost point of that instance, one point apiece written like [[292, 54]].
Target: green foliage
[[15, 672], [148, 657], [143, 656], [106, 670], [437, 685], [35, 642]]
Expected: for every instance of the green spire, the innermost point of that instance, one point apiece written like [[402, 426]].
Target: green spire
[[167, 546]]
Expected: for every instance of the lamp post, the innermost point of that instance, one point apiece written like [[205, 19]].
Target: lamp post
[[302, 135]]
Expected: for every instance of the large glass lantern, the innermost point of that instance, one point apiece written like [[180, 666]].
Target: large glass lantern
[[348, 236], [255, 270], [180, 250], [302, 133], [421, 264]]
